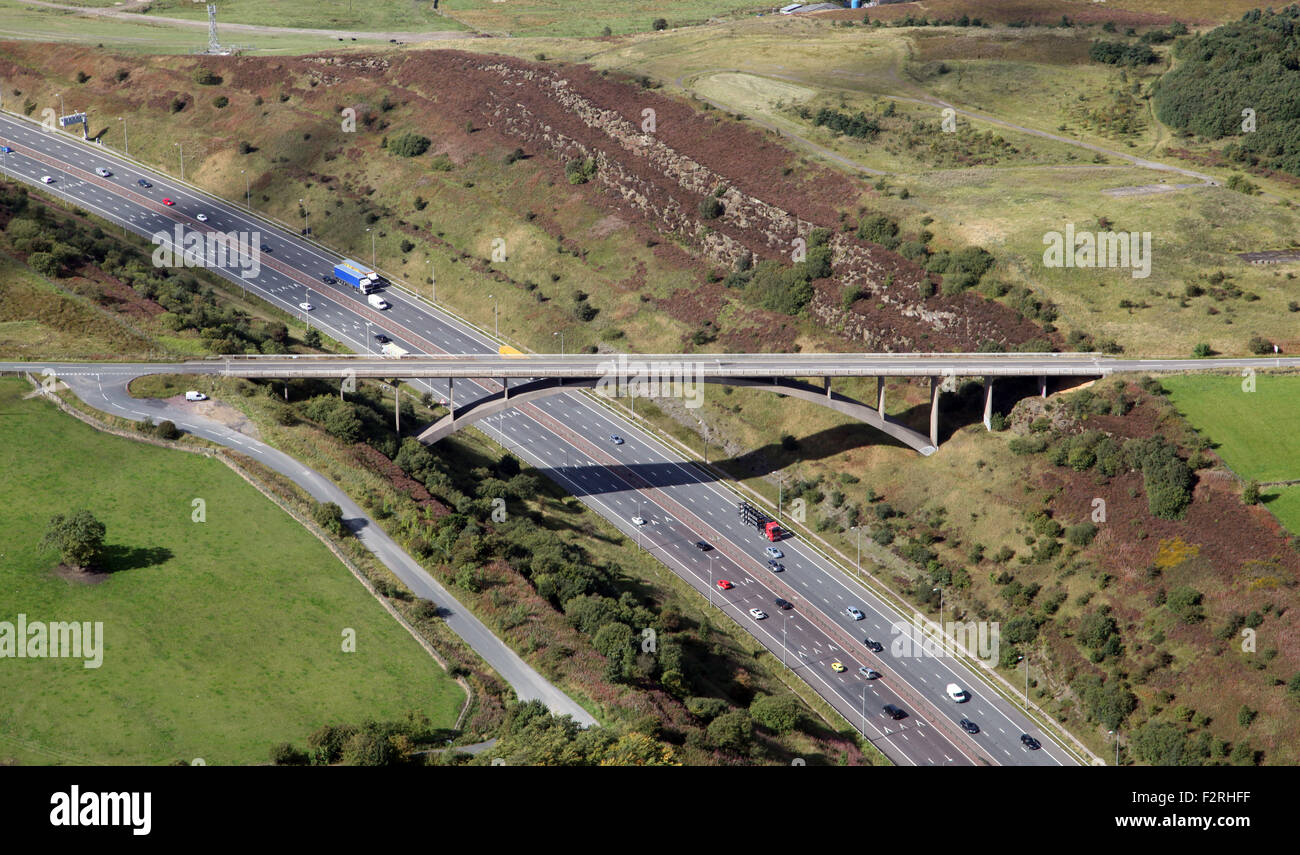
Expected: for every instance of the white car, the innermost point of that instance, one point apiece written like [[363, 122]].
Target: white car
[[854, 613], [102, 172], [757, 614], [306, 307], [773, 552], [957, 693], [202, 218], [195, 396], [47, 179], [638, 520]]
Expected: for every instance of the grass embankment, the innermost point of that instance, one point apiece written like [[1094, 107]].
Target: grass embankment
[[216, 647]]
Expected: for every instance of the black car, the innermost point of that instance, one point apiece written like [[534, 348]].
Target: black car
[[969, 726], [783, 604], [893, 712], [1029, 742], [873, 646], [265, 248], [143, 183], [702, 546], [777, 566], [328, 280], [382, 339]]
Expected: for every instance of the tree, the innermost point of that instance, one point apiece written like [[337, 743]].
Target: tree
[[328, 516], [1185, 603], [368, 749], [79, 538], [1250, 495], [780, 714], [659, 24], [166, 429], [732, 731], [409, 145]]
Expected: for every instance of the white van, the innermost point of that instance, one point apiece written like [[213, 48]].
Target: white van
[[195, 396], [957, 693], [377, 301]]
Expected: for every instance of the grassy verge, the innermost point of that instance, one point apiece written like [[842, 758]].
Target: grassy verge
[[214, 648]]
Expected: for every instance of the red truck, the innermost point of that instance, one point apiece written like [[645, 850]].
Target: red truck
[[751, 515]]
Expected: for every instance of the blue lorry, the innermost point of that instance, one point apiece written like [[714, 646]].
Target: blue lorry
[[357, 275]]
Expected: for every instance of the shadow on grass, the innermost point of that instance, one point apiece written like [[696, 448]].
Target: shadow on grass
[[118, 558]]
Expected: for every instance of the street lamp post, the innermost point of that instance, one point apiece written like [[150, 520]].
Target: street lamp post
[[248, 194], [368, 337], [181, 147], [126, 141], [62, 112], [433, 283], [943, 636], [306, 228], [496, 326], [561, 335]]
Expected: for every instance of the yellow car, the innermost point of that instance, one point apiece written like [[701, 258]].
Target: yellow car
[[837, 666]]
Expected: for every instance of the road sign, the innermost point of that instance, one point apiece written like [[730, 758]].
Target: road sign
[[73, 119]]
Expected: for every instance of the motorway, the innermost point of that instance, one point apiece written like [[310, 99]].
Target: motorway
[[567, 438]]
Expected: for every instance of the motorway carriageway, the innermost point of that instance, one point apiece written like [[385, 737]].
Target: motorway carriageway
[[566, 437]]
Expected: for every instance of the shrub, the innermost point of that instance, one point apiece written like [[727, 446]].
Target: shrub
[[1082, 534], [780, 714], [409, 145], [328, 516], [1250, 495], [206, 77], [659, 24], [220, 101], [1185, 603], [580, 170], [711, 208]]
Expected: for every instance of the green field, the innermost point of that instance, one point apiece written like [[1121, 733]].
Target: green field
[[1254, 432], [29, 23], [588, 17], [215, 646], [1284, 503]]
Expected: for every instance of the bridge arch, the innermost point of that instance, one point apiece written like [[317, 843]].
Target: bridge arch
[[496, 402]]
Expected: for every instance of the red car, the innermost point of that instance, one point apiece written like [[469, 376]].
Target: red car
[[724, 585], [168, 202]]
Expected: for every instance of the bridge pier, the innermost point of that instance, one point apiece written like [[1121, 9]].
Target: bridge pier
[[935, 382], [880, 395], [988, 403], [1042, 385]]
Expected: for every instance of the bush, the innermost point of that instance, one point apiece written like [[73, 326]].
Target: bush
[[581, 170], [879, 229], [328, 516], [1185, 603], [206, 77], [1082, 534], [166, 429], [780, 714], [659, 24], [177, 104], [220, 101], [1260, 346], [1250, 495], [711, 208], [409, 145]]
